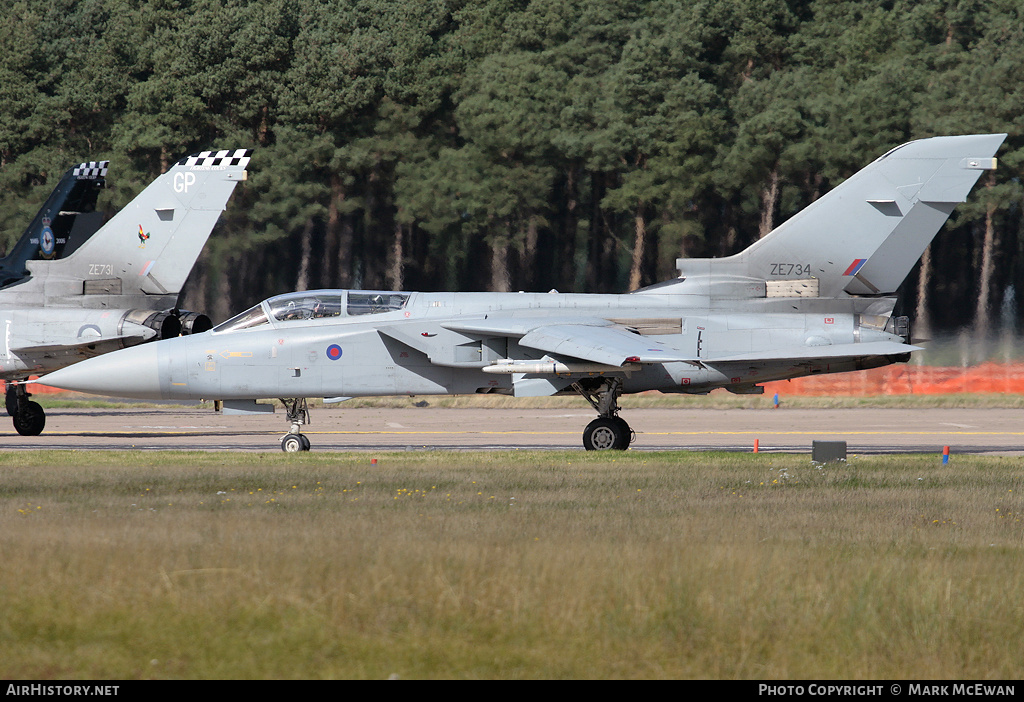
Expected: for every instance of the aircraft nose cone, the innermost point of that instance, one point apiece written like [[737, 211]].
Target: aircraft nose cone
[[130, 372]]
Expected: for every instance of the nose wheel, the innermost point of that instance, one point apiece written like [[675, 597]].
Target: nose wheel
[[293, 443], [298, 414]]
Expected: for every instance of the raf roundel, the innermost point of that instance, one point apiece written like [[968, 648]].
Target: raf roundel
[[334, 352]]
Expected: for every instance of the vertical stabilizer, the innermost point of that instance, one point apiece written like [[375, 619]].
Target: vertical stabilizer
[[66, 219], [864, 236], [153, 242]]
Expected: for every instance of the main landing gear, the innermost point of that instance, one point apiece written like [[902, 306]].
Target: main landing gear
[[29, 417], [609, 431], [298, 414]]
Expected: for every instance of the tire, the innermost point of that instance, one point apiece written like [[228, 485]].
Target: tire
[[292, 443], [31, 420], [606, 434]]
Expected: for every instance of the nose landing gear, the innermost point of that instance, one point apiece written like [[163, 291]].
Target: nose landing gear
[[298, 414]]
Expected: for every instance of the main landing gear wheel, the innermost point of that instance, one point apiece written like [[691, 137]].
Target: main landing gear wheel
[[606, 434], [29, 419], [293, 443]]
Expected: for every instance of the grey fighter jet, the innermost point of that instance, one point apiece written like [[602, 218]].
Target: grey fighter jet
[[73, 287], [813, 296]]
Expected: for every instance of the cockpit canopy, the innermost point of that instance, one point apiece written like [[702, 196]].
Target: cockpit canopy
[[374, 302], [316, 304], [285, 308]]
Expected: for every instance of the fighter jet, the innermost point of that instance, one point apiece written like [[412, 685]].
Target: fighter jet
[[72, 289], [813, 296]]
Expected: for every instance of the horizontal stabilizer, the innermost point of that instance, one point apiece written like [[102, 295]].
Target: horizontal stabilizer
[[820, 353]]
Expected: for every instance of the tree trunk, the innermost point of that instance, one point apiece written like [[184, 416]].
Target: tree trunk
[[922, 320], [769, 198], [983, 312], [528, 257], [306, 244], [337, 240], [639, 244], [596, 273], [396, 265], [499, 266], [922, 327], [568, 273]]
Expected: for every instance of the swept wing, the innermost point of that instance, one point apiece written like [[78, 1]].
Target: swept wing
[[609, 345]]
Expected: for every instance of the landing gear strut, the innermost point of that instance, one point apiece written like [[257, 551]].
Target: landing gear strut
[[298, 414], [29, 417], [609, 431]]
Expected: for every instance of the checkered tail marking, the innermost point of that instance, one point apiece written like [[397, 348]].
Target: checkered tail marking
[[228, 157], [91, 170]]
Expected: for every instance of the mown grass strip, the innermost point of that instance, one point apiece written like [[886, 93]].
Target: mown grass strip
[[508, 564]]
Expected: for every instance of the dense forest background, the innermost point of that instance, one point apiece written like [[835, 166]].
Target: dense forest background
[[581, 145]]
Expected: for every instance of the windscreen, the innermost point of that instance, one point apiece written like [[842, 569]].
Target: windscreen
[[252, 317]]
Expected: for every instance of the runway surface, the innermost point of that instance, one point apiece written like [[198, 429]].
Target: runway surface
[[338, 429]]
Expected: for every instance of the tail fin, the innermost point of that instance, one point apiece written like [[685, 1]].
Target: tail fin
[[863, 237], [63, 223], [151, 244]]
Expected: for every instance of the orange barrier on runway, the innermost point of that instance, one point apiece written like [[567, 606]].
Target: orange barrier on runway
[[906, 379], [34, 388]]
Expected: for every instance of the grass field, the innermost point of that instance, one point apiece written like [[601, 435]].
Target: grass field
[[509, 565]]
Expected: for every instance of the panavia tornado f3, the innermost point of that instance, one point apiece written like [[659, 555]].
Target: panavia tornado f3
[[813, 296], [73, 287]]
